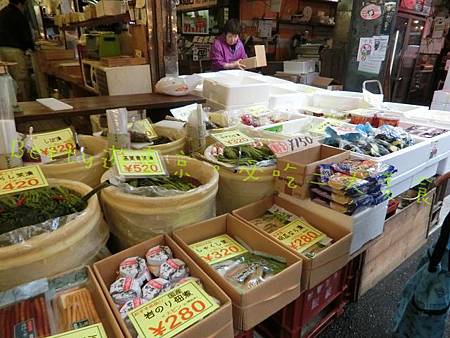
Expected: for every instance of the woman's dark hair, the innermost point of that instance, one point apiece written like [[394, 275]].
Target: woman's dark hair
[[232, 26], [17, 2]]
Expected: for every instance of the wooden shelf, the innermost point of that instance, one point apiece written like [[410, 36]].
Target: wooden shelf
[[103, 20], [312, 24]]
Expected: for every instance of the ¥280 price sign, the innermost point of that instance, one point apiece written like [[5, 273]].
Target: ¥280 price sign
[[138, 163], [218, 249], [173, 312], [20, 179]]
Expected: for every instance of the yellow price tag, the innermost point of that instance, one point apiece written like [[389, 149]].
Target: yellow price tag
[[136, 163], [298, 235], [145, 127], [172, 312], [232, 138], [218, 249], [92, 331], [55, 143], [20, 179]]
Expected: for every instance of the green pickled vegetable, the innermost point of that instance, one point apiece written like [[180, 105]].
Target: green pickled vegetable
[[173, 182], [249, 155]]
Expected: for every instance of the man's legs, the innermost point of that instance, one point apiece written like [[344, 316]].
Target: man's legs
[[19, 72]]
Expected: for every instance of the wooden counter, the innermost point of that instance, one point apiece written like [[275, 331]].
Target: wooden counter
[[84, 106]]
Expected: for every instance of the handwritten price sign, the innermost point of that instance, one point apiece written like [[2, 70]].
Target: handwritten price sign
[[291, 145], [298, 235], [20, 179], [218, 249], [133, 163], [173, 312], [92, 331], [54, 144], [232, 138]]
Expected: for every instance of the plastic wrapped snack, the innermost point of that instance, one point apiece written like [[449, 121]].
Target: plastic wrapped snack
[[190, 279], [136, 268], [364, 169], [124, 289], [274, 218], [130, 305], [156, 257], [173, 270], [349, 184], [154, 288]]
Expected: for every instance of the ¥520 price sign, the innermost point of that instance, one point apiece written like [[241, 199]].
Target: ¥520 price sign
[[218, 249], [298, 235], [232, 138], [131, 163], [20, 179], [173, 312]]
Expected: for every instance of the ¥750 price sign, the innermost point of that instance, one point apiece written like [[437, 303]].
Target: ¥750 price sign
[[232, 138], [138, 163], [218, 249], [173, 312], [20, 179]]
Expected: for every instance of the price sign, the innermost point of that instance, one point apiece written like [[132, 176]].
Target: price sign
[[145, 127], [218, 249], [172, 312], [20, 179], [183, 113], [133, 163], [298, 235], [275, 129], [54, 144], [232, 138], [291, 145], [92, 331]]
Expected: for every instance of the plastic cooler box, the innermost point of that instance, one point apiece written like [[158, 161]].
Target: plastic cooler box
[[339, 100], [281, 98], [235, 90], [300, 66]]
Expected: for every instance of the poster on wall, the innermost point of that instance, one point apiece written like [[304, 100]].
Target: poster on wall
[[195, 22], [365, 49], [422, 7]]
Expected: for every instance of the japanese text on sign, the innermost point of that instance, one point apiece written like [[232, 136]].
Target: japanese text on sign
[[298, 235], [20, 179], [55, 143], [92, 331], [138, 162], [173, 312], [232, 138], [218, 249]]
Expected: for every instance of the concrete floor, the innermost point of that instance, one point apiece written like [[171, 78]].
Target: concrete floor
[[371, 316]]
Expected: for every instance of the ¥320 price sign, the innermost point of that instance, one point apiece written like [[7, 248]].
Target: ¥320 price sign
[[20, 179], [232, 138], [173, 312], [92, 331], [54, 144], [218, 249], [138, 163]]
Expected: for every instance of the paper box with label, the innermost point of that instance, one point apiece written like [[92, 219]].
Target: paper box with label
[[217, 323], [316, 266], [253, 303], [297, 169], [326, 83], [259, 60]]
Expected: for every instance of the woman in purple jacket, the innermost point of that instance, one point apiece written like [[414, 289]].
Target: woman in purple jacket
[[228, 50]]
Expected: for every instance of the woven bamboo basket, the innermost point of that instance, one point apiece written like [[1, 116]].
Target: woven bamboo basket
[[83, 171], [45, 255], [242, 186], [134, 218]]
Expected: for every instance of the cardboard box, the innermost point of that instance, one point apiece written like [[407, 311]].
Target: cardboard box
[[326, 83], [259, 303], [56, 54], [299, 167], [259, 60], [217, 324], [102, 307], [109, 7], [325, 263]]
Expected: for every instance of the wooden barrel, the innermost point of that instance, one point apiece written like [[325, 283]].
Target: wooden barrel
[[134, 218], [45, 255], [87, 171], [242, 186]]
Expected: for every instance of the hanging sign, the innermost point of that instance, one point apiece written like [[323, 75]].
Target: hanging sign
[[20, 179], [138, 163], [370, 12], [174, 311], [218, 249]]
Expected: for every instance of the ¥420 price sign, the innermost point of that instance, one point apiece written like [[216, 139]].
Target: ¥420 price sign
[[20, 179], [139, 163], [232, 138], [218, 249], [173, 312]]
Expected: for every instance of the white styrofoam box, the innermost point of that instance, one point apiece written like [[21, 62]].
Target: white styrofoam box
[[307, 79], [441, 96], [429, 116], [444, 166], [440, 106], [365, 225], [299, 66], [235, 90], [339, 101], [400, 107], [231, 108], [284, 98]]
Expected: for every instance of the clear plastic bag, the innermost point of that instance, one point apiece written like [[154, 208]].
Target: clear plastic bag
[[178, 86]]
